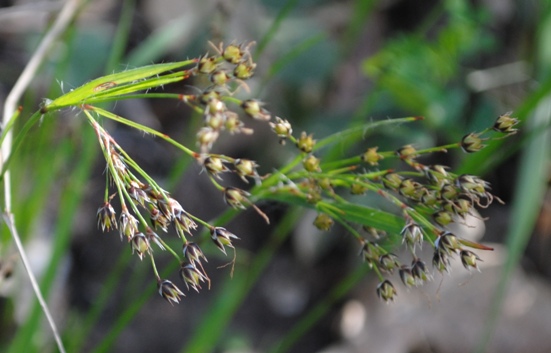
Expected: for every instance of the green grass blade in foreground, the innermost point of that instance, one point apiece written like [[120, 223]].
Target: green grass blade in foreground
[[233, 292], [110, 83], [530, 189], [67, 209]]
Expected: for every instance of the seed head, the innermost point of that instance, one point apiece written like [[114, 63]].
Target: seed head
[[323, 222], [469, 260], [244, 70], [306, 142], [140, 244], [386, 291], [505, 124], [107, 218], [245, 168], [192, 276], [419, 271], [311, 164], [169, 291], [407, 152], [233, 54], [371, 156], [207, 65], [221, 237], [193, 253], [443, 218], [214, 166], [440, 261], [219, 77], [128, 225], [254, 109], [209, 95], [184, 224], [389, 262], [392, 181], [138, 194], [412, 235], [447, 243], [235, 197], [206, 137], [282, 128], [407, 277], [472, 143], [371, 252]]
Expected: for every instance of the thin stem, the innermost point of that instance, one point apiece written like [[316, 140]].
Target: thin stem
[[65, 17]]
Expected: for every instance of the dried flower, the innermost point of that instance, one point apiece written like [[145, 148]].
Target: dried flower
[[193, 253], [440, 261], [469, 259], [128, 225], [206, 138], [107, 218], [282, 128], [245, 168], [192, 276], [447, 243], [138, 194], [505, 124], [222, 237], [442, 218], [153, 237], [386, 291], [214, 166], [169, 291], [254, 109], [419, 271], [472, 143], [407, 277], [235, 197], [183, 224], [388, 262], [438, 174], [140, 244], [371, 252], [412, 235]]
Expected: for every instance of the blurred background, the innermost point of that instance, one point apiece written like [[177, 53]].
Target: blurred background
[[323, 65]]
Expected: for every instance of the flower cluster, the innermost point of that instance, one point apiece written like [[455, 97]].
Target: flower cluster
[[146, 209], [430, 197]]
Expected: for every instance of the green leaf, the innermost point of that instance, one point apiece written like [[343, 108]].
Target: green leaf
[[119, 83]]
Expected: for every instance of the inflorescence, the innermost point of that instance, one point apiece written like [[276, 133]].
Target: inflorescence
[[430, 197]]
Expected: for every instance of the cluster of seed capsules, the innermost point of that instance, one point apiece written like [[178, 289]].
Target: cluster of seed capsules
[[146, 209], [438, 195]]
